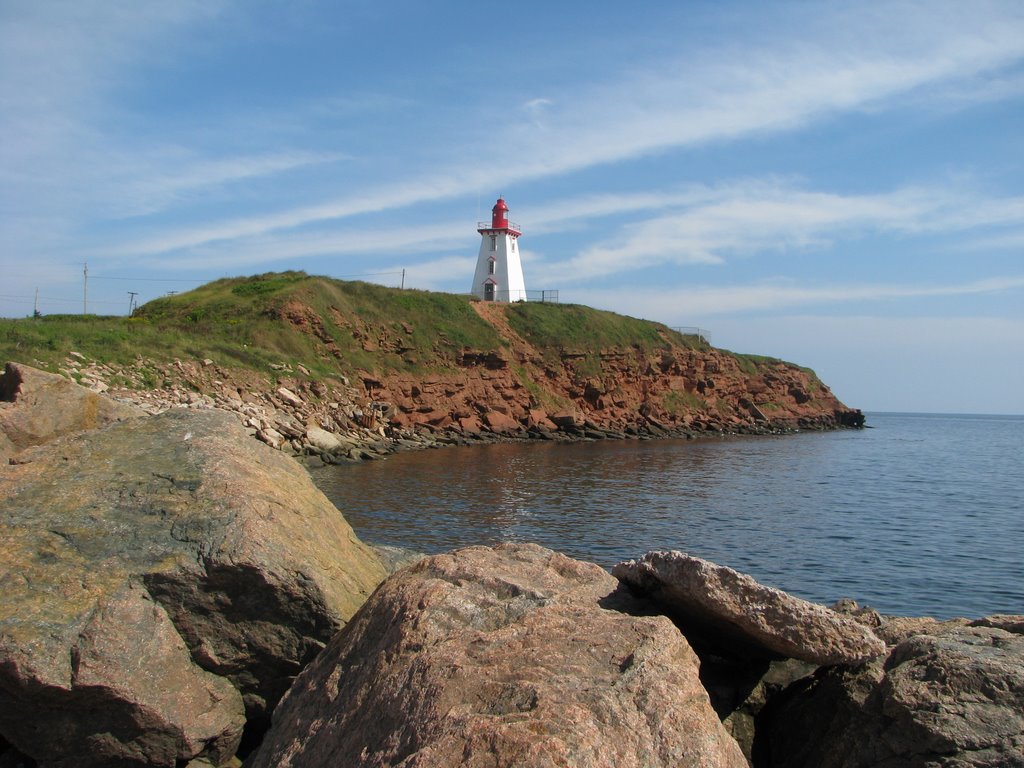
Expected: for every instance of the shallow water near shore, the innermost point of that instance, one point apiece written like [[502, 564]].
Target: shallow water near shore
[[920, 514]]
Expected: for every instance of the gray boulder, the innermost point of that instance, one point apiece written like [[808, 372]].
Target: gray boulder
[[895, 629], [506, 656], [735, 610], [187, 531], [118, 688], [943, 700]]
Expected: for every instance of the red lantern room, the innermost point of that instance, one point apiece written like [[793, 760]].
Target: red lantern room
[[499, 215]]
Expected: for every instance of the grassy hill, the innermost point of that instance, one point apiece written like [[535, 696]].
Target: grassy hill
[[330, 326], [433, 359]]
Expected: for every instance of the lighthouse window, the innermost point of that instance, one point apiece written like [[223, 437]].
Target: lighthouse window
[[513, 246], [490, 266], [494, 242]]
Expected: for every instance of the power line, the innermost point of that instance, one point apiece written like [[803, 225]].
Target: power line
[[151, 279], [86, 277], [371, 274], [54, 298], [201, 280]]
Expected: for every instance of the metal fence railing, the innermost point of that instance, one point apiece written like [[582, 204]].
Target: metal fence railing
[[510, 296], [700, 333]]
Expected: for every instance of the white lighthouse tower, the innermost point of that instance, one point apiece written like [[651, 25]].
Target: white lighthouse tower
[[499, 272]]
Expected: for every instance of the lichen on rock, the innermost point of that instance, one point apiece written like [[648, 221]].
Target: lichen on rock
[[219, 548]]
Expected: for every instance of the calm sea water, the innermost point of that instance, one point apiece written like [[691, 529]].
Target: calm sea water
[[918, 515]]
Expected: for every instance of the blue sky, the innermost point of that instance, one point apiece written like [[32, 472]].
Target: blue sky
[[836, 184]]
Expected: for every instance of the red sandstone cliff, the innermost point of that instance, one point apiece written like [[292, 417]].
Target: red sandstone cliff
[[674, 388], [363, 374]]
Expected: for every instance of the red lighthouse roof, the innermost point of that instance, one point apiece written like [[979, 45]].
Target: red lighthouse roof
[[499, 220], [499, 214]]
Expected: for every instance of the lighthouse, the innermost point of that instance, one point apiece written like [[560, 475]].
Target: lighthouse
[[499, 272]]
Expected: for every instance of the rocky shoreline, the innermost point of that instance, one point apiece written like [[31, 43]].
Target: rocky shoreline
[[177, 593], [322, 423]]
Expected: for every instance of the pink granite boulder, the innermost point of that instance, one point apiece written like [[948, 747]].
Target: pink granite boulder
[[506, 656], [716, 601]]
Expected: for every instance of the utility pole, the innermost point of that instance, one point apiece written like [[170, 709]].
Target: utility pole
[[403, 279], [85, 288], [35, 305], [131, 301]]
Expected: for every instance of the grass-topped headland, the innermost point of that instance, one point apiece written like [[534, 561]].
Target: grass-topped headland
[[330, 326], [437, 358], [583, 329]]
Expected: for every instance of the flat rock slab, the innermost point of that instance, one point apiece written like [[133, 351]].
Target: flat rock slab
[[1009, 622], [499, 657], [734, 608], [182, 530]]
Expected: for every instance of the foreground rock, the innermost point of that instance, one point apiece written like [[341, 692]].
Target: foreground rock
[[712, 600], [132, 554], [36, 407], [510, 656], [951, 699]]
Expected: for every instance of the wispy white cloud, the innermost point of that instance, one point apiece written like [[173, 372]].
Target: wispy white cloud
[[697, 302], [62, 53], [850, 62], [436, 274], [535, 109], [261, 249], [250, 226], [708, 225], [694, 224], [703, 97], [177, 173], [62, 66], [568, 214], [1011, 239]]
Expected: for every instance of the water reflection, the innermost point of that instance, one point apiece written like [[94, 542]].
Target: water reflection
[[896, 517]]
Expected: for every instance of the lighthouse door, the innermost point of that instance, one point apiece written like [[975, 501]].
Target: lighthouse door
[[488, 291]]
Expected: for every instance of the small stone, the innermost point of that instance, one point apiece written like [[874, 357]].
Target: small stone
[[289, 397], [271, 437], [323, 440]]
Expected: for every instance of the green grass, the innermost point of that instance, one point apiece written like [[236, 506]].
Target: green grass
[[440, 323], [679, 402], [545, 398], [291, 317], [244, 322], [579, 329], [753, 365]]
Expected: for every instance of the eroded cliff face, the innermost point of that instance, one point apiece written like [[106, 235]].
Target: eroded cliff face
[[617, 389], [398, 392]]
